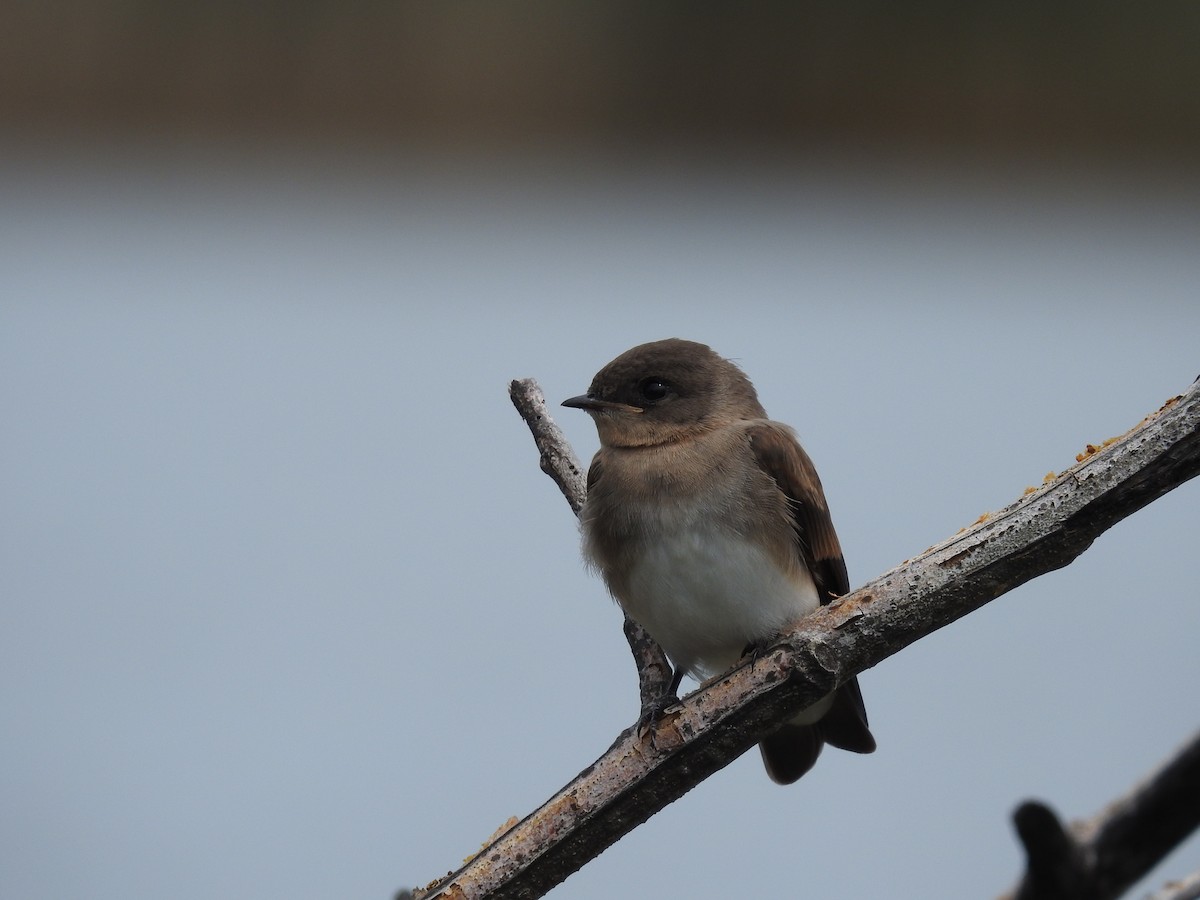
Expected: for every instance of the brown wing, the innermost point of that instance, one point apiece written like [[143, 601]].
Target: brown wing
[[845, 725], [782, 457]]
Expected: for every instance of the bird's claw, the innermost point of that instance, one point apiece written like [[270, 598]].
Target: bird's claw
[[752, 651], [653, 712]]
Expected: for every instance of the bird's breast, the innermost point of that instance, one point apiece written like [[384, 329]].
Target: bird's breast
[[705, 566]]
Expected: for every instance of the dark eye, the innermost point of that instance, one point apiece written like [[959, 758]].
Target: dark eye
[[653, 389]]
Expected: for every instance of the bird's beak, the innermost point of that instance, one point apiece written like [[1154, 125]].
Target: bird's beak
[[591, 404]]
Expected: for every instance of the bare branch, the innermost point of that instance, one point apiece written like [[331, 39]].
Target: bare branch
[[638, 776], [558, 460], [1101, 858]]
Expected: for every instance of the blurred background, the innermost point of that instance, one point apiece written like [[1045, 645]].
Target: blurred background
[[1078, 78], [288, 608]]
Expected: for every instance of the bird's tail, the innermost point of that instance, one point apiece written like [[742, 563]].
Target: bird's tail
[[792, 750]]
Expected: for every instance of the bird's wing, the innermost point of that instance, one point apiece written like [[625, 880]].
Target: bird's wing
[[781, 456]]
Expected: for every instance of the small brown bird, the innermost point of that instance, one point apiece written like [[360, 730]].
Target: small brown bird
[[709, 525]]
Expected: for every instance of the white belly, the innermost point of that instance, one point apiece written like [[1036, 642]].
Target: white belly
[[705, 594]]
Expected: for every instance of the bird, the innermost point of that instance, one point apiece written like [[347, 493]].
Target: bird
[[710, 528]]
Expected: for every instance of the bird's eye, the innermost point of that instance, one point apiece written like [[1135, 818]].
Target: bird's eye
[[653, 389]]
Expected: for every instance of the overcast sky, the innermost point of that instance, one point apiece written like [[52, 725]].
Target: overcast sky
[[290, 611]]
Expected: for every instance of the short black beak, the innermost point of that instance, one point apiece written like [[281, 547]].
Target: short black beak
[[583, 401], [591, 404]]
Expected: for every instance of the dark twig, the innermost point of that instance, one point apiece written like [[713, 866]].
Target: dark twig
[[1101, 858]]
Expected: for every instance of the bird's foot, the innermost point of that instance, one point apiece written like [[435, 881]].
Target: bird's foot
[[752, 651], [653, 712]]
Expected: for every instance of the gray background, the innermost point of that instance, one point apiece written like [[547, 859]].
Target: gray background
[[289, 609]]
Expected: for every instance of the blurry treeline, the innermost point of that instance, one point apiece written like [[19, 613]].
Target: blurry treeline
[[1012, 75]]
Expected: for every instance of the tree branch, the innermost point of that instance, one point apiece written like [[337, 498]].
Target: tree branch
[[640, 774], [1101, 858], [558, 460]]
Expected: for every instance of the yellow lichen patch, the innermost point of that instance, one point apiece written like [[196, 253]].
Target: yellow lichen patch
[[1169, 403], [1092, 449], [1028, 491], [509, 823], [512, 820], [1050, 476], [981, 519]]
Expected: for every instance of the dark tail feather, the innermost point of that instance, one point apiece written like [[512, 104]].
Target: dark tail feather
[[845, 725], [790, 752]]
